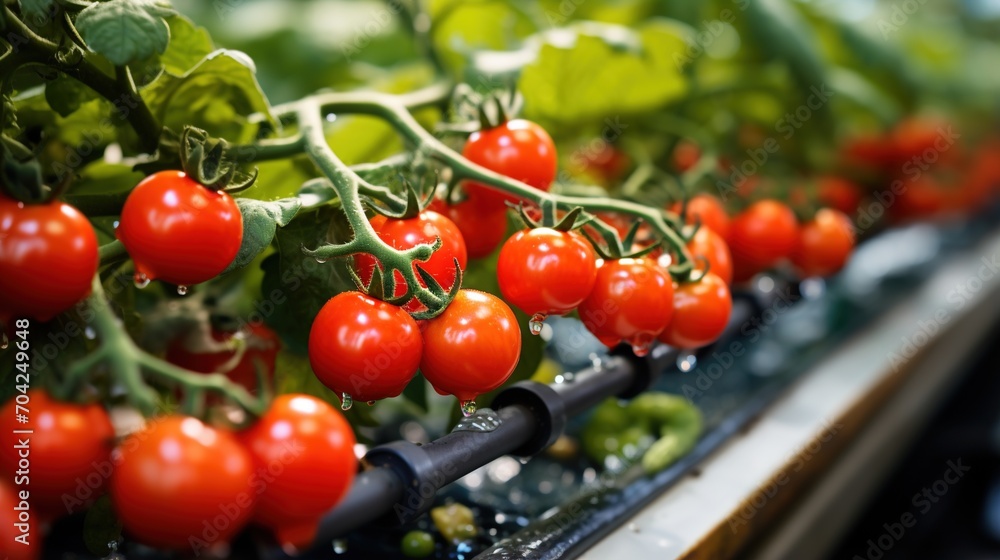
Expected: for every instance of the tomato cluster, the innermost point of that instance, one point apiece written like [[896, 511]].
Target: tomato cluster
[[179, 483]]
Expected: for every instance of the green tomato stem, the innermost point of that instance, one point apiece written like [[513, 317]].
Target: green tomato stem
[[111, 253]]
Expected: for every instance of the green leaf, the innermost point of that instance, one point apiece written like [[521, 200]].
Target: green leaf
[[215, 95], [100, 177], [595, 79], [36, 10], [189, 44], [125, 31], [260, 222], [65, 95]]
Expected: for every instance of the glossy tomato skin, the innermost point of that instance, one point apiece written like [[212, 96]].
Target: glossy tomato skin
[[179, 231], [472, 347], [707, 210], [825, 243], [410, 232], [840, 194], [11, 549], [546, 271], [70, 443], [518, 149], [307, 447], [713, 248], [760, 236], [364, 347], [483, 230], [48, 257], [632, 301], [180, 484], [701, 313]]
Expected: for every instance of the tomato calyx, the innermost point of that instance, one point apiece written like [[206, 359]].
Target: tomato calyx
[[205, 159]]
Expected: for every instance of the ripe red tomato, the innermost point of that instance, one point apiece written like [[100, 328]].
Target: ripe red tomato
[[840, 194], [686, 155], [471, 348], [70, 443], [48, 257], [713, 248], [364, 348], [181, 484], [923, 198], [408, 233], [708, 210], [544, 271], [11, 549], [518, 149], [824, 243], [606, 164], [261, 345], [483, 230], [762, 235], [632, 301], [307, 450], [918, 137], [701, 313], [179, 231]]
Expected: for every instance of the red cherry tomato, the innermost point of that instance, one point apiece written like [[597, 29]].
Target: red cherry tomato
[[762, 235], [261, 346], [518, 149], [824, 243], [922, 198], [182, 485], [408, 233], [48, 257], [632, 301], [840, 194], [307, 448], [471, 348], [483, 230], [544, 271], [11, 549], [364, 348], [607, 164], [179, 231], [686, 155], [70, 443], [701, 313], [713, 248], [708, 210]]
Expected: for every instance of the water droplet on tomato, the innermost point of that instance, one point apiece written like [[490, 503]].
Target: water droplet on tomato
[[536, 323], [90, 333], [182, 290], [468, 408], [642, 350], [346, 402], [141, 280]]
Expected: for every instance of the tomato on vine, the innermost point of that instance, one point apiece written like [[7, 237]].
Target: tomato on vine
[[471, 348], [760, 236], [544, 271], [314, 445], [519, 149], [824, 244], [261, 346], [180, 484], [632, 301], [48, 257], [701, 313], [707, 244], [363, 348], [408, 233], [707, 210], [179, 231], [482, 229], [840, 194], [69, 442]]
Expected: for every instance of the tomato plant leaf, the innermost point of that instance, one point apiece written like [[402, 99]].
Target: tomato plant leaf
[[215, 95], [189, 44], [260, 222], [125, 31], [65, 95], [36, 10]]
